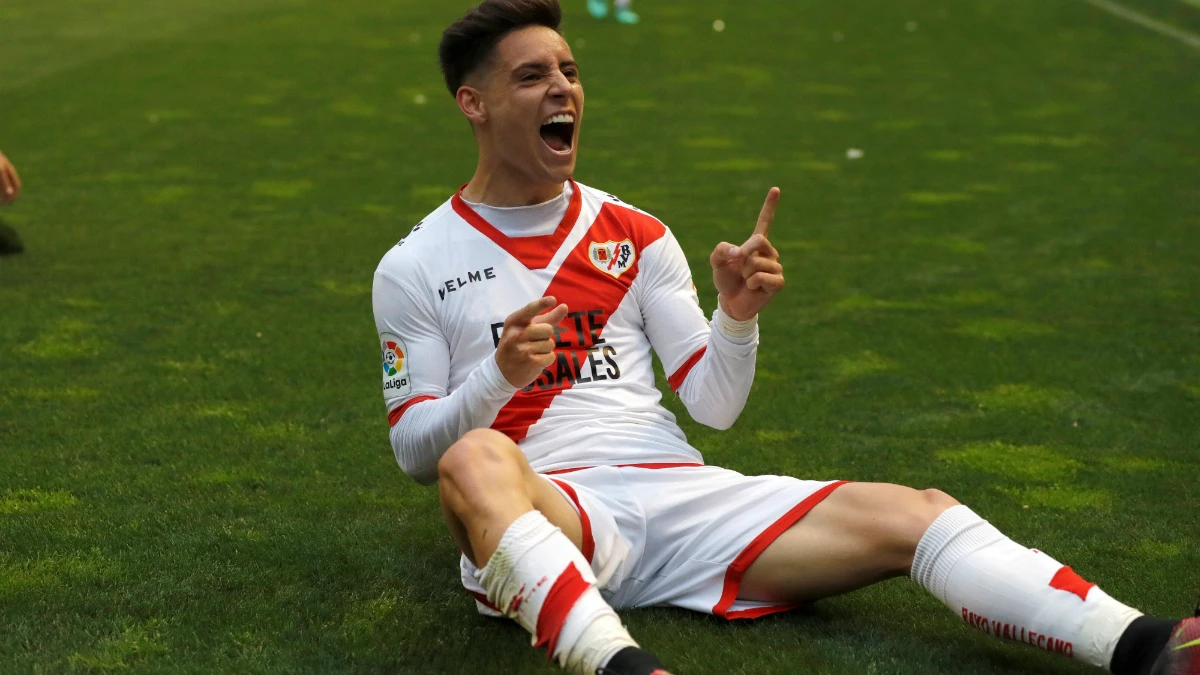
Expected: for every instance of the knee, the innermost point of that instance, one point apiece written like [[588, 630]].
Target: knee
[[480, 458], [937, 502], [924, 507], [928, 505]]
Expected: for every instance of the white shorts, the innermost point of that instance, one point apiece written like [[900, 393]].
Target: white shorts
[[677, 535]]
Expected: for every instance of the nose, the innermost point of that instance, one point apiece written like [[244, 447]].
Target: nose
[[560, 86]]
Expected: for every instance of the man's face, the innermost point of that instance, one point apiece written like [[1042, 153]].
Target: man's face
[[534, 104]]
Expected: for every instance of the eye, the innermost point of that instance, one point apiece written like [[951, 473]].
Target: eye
[[531, 77]]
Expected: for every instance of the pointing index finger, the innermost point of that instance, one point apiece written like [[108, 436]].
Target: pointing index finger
[[524, 316], [768, 212]]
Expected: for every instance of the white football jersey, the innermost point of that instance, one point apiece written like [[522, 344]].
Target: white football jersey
[[442, 294]]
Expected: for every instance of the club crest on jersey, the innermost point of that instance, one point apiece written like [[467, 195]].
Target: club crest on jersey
[[613, 258], [395, 366]]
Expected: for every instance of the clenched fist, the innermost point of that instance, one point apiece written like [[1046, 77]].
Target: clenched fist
[[527, 344]]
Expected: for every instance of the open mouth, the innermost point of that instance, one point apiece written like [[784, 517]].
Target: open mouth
[[558, 132]]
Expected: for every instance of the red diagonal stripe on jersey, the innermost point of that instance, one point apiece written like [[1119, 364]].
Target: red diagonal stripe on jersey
[[1065, 579], [533, 252], [582, 287]]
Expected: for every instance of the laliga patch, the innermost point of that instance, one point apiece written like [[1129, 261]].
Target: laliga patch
[[395, 366], [612, 257]]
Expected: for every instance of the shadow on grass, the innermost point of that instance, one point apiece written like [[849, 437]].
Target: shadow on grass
[[10, 241], [833, 636]]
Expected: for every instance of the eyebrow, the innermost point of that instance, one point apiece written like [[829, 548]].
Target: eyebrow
[[536, 65]]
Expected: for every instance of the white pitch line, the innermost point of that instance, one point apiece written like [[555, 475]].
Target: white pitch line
[[1193, 3], [1189, 39]]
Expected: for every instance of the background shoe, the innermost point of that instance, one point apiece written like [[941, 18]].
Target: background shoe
[[598, 8], [627, 16], [1181, 656]]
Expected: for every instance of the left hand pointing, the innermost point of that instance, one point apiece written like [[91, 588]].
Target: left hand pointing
[[748, 276]]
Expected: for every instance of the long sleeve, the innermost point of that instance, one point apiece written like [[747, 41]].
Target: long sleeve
[[711, 372], [426, 418]]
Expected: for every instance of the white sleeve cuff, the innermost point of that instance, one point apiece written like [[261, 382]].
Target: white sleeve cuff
[[494, 379], [737, 332]]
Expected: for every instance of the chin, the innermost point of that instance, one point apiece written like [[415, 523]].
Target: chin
[[561, 174]]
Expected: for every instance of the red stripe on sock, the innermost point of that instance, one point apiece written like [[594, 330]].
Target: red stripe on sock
[[563, 595], [1065, 579]]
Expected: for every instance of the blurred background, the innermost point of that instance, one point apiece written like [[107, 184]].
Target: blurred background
[[990, 223]]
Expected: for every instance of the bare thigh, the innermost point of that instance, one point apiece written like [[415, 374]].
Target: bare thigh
[[860, 534]]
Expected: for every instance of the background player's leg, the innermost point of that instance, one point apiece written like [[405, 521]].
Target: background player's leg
[[510, 522], [866, 532], [624, 11]]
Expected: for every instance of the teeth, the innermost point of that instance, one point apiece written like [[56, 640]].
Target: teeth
[[562, 118]]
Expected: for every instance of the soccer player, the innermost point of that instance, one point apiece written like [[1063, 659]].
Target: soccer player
[[624, 12], [517, 322], [10, 182]]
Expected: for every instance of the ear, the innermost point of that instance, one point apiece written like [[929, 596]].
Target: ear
[[470, 102]]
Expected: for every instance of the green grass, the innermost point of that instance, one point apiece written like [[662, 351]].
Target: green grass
[[1001, 298]]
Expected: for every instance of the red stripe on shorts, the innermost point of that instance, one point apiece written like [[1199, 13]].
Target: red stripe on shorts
[[651, 465], [1065, 579], [733, 576], [395, 415], [588, 545], [563, 595]]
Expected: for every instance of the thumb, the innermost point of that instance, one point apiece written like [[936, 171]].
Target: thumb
[[723, 254]]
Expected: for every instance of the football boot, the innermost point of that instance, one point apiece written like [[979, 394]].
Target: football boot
[[633, 661]]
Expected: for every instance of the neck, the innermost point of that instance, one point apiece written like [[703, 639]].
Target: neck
[[497, 186]]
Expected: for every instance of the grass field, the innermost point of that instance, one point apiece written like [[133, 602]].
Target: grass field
[[1001, 298]]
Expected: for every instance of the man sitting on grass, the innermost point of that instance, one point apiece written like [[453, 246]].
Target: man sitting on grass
[[517, 322]]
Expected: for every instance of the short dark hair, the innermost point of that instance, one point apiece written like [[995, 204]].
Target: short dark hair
[[469, 42]]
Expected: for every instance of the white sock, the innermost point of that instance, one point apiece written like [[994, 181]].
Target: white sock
[[1015, 593], [623, 4], [539, 579]]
